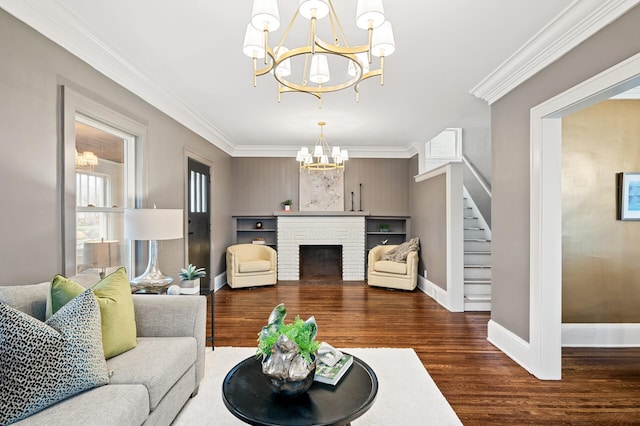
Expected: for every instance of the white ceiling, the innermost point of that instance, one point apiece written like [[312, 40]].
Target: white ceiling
[[186, 58]]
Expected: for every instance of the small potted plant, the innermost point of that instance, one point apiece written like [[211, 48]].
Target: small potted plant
[[288, 352], [190, 279], [287, 204], [384, 227]]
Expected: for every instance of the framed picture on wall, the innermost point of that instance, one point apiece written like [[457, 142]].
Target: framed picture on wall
[[322, 191], [628, 199]]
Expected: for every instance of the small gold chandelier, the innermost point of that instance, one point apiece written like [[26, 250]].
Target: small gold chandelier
[[318, 54], [321, 157]]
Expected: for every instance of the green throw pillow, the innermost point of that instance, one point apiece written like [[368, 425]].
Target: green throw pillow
[[116, 308], [42, 363]]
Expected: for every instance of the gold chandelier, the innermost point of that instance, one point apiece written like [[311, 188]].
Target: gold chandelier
[[314, 76], [321, 157]]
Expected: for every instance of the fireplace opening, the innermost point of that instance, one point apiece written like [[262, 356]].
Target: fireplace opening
[[321, 261]]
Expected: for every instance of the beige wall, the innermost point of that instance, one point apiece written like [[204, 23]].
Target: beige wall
[[31, 70], [510, 134], [600, 268]]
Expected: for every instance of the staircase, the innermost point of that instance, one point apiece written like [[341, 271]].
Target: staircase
[[477, 261]]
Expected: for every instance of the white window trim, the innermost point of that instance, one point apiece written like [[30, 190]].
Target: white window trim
[[76, 105]]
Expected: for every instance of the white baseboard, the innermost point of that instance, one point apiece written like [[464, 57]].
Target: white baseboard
[[219, 281], [512, 345], [434, 291], [616, 335]]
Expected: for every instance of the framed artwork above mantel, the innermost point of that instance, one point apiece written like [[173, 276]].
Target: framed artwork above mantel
[[322, 190]]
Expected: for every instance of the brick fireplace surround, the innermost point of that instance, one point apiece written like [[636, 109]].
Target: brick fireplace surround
[[323, 228]]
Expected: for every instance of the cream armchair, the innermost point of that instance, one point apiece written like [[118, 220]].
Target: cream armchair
[[387, 273], [250, 265]]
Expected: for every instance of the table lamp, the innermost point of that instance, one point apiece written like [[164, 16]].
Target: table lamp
[[152, 225], [101, 254]]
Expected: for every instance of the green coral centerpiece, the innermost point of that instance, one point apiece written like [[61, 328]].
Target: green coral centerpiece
[[288, 352]]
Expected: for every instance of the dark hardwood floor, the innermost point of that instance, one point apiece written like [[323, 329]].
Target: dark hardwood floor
[[484, 386]]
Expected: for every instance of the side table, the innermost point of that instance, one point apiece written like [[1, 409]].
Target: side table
[[204, 291], [248, 397]]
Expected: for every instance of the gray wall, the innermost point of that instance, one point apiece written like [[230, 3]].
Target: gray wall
[[476, 148], [31, 69], [428, 211], [510, 169], [260, 184]]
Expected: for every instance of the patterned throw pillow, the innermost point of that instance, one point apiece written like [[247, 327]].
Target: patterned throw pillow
[[116, 308], [42, 363], [400, 252]]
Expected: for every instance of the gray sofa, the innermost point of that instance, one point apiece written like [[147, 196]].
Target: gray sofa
[[150, 383]]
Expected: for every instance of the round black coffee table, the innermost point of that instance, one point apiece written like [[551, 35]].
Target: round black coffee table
[[246, 394]]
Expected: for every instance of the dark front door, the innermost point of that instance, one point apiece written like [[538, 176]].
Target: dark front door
[[199, 218]]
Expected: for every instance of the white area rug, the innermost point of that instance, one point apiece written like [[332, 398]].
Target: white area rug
[[406, 396]]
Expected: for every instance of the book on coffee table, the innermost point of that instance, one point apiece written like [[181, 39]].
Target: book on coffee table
[[332, 374]]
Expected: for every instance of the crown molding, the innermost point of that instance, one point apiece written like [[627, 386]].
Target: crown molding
[[629, 94], [579, 21], [354, 152], [61, 26]]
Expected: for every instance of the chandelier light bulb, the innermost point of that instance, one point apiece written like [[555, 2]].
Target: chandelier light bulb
[[383, 43], [352, 69], [265, 15], [284, 68], [253, 45], [369, 14], [306, 8], [319, 72]]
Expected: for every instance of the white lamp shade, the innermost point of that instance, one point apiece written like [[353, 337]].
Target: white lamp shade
[[324, 159], [383, 43], [284, 68], [101, 254], [317, 151], [306, 7], [265, 15], [344, 154], [253, 45], [369, 11], [364, 61], [335, 151], [319, 72], [153, 224]]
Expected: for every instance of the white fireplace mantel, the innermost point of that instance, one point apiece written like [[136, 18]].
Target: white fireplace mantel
[[345, 229]]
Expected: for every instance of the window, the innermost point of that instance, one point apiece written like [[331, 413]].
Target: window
[[101, 194], [100, 180], [447, 145], [198, 192]]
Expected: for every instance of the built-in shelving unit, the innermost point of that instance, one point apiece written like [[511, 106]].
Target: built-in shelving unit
[[247, 229], [393, 229]]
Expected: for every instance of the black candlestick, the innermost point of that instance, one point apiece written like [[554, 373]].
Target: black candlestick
[[360, 197], [351, 200]]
